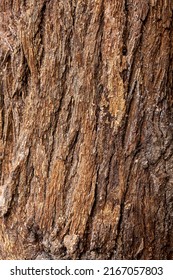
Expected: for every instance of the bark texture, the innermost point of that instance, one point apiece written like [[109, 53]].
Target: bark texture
[[86, 129]]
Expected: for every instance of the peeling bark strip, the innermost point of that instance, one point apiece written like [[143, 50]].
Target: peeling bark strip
[[86, 129]]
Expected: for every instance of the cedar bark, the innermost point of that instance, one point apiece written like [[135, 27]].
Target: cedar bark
[[86, 129]]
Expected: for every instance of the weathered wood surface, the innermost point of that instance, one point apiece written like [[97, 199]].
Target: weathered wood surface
[[86, 129]]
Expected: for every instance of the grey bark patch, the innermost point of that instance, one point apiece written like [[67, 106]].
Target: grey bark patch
[[71, 243]]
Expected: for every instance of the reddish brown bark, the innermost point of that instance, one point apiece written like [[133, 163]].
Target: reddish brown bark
[[86, 129]]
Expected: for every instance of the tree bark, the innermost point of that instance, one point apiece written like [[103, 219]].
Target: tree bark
[[86, 129]]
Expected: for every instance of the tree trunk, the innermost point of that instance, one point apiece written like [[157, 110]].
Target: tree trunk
[[86, 129]]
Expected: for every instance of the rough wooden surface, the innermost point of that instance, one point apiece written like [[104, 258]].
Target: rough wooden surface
[[86, 129]]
